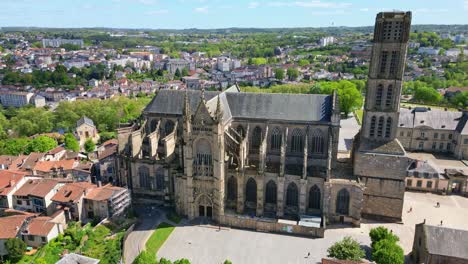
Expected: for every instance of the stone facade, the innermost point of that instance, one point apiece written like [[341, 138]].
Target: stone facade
[[379, 159]]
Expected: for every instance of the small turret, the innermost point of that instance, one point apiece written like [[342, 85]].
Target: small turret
[[187, 111], [219, 110]]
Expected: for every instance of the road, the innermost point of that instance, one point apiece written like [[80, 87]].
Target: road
[[149, 218]]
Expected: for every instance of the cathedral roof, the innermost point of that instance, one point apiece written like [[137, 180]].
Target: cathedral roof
[[436, 119], [264, 106]]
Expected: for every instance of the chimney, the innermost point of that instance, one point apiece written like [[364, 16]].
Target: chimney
[[99, 184]]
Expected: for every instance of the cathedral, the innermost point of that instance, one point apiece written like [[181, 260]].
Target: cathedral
[[270, 162]]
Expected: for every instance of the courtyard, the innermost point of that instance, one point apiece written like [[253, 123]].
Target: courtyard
[[206, 244]]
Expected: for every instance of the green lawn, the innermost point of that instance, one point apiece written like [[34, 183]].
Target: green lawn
[[158, 237], [358, 114]]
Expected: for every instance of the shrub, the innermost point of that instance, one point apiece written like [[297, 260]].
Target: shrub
[[387, 251], [380, 233], [346, 249], [15, 248], [145, 257]]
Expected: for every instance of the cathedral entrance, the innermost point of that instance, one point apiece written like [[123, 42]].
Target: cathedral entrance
[[205, 206]]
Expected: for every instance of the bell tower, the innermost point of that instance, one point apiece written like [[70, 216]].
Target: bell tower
[[380, 161]]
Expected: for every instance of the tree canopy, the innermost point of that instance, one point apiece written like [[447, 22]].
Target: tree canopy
[[41, 144], [346, 249], [71, 143], [15, 248]]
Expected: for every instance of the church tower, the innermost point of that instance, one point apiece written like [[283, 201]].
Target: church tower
[[380, 161]]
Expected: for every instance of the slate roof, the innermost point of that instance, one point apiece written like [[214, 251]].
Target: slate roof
[[436, 119], [446, 241], [74, 258], [291, 107], [84, 120]]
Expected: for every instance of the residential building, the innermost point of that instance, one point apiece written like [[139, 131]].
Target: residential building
[[10, 182], [106, 202], [429, 51], [35, 196], [73, 258], [70, 199], [435, 131], [85, 129], [60, 169], [56, 43], [326, 41], [15, 99], [11, 227], [40, 231], [437, 244]]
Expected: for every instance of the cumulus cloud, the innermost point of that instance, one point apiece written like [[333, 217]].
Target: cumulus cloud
[[157, 12], [253, 5], [203, 9]]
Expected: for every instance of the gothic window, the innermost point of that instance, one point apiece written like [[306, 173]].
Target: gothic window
[[372, 127], [240, 129], [143, 173], [160, 179], [256, 138], [380, 127], [292, 195], [275, 139], [168, 127], [389, 97], [153, 125], [388, 127], [251, 191], [314, 197], [342, 202], [297, 141], [317, 142], [203, 160], [383, 62], [394, 63], [378, 97], [270, 193], [232, 189]]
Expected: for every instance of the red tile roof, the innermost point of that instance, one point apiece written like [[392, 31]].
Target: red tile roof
[[72, 192], [9, 179], [38, 188], [47, 166], [55, 150], [11, 225], [103, 193], [40, 226]]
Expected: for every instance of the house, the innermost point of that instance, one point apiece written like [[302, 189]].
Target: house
[[105, 167], [85, 129], [11, 227], [35, 196], [30, 161], [107, 201], [40, 230], [425, 176], [8, 162], [74, 258], [55, 154], [55, 169], [10, 182], [70, 199], [437, 244]]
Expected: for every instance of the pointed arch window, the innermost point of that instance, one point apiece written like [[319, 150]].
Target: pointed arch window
[[297, 141], [342, 202], [251, 191], [232, 189], [256, 138], [380, 127], [270, 193], [317, 142], [314, 197], [372, 127], [143, 174], [388, 128], [389, 97], [275, 140], [160, 179], [292, 195], [378, 96], [168, 127]]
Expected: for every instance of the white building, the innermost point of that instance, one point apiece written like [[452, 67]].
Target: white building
[[428, 50], [15, 99], [327, 41], [56, 43], [454, 52]]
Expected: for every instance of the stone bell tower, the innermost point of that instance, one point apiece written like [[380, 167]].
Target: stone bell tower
[[379, 159]]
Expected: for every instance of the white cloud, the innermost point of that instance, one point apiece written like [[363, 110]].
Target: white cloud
[[364, 9], [157, 12], [253, 5], [310, 4], [427, 10], [203, 9], [465, 4], [147, 2]]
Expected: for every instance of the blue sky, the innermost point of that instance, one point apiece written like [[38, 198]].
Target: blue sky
[[179, 14]]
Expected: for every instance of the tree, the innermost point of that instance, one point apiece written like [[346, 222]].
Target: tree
[[177, 74], [350, 99], [15, 248], [380, 233], [89, 145], [387, 251], [227, 262], [14, 146], [346, 249], [145, 257], [279, 73], [185, 71], [292, 73], [71, 143], [41, 144], [303, 62], [427, 95]]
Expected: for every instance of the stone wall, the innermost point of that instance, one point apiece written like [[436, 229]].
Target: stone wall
[[270, 225]]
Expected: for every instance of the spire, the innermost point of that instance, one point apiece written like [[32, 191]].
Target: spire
[[202, 96], [219, 109], [187, 112]]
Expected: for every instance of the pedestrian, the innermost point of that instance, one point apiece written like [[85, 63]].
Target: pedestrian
[[308, 254], [410, 209], [440, 222], [438, 204]]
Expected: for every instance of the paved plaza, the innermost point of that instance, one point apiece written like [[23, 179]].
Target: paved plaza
[[349, 128], [204, 244]]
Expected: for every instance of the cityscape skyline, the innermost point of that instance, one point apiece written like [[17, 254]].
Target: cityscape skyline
[[213, 14]]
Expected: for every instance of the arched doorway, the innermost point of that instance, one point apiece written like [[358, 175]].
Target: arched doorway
[[231, 195], [342, 202], [205, 206], [251, 194]]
